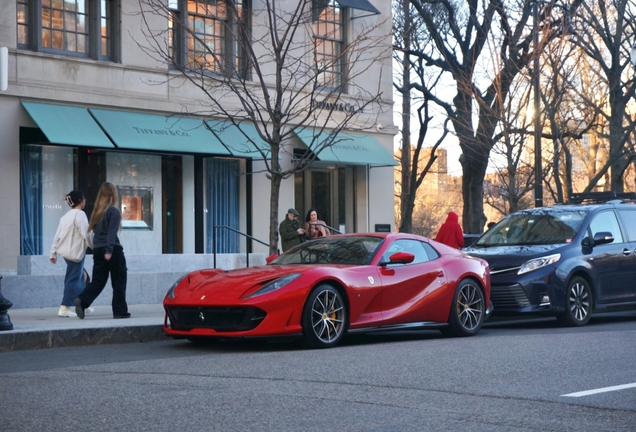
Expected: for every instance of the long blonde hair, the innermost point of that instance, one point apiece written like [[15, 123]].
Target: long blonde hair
[[106, 197]]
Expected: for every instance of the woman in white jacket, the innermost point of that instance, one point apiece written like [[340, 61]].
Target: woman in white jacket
[[74, 282]]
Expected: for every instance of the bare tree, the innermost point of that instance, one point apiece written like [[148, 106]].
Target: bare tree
[[513, 178], [569, 117], [460, 32], [279, 84], [415, 77], [604, 28]]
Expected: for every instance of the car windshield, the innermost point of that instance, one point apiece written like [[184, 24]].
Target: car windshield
[[332, 250], [535, 228]]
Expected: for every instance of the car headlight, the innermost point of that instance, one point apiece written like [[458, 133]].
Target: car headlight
[[173, 288], [537, 263], [274, 285]]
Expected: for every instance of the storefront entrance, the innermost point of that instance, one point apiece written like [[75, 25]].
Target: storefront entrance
[[331, 191]]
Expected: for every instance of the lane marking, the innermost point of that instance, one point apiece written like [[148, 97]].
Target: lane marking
[[600, 390]]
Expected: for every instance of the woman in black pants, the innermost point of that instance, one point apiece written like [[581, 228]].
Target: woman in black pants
[[108, 254]]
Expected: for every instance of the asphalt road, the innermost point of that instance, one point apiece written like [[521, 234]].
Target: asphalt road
[[513, 376]]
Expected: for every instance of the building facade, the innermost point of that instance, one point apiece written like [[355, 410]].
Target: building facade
[[86, 103]]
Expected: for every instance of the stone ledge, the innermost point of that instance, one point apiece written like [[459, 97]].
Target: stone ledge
[[26, 292], [39, 265], [12, 341]]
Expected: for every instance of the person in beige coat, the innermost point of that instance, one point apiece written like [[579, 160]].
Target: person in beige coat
[[314, 227], [75, 278]]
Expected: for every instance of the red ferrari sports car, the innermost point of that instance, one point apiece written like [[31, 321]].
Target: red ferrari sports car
[[324, 288]]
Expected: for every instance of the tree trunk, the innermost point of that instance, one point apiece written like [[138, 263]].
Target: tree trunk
[[474, 170], [617, 146], [273, 212], [407, 195]]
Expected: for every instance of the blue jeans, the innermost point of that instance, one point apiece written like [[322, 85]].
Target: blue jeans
[[74, 282]]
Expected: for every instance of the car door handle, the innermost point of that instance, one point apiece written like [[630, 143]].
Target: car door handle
[[626, 252]]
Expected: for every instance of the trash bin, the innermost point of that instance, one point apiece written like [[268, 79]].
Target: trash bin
[[5, 321]]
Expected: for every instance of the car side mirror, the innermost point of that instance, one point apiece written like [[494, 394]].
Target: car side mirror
[[400, 258], [271, 258], [602, 237]]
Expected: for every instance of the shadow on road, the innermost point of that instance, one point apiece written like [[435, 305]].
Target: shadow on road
[[511, 324]]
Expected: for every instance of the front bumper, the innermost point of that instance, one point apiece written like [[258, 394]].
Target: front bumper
[[541, 292]]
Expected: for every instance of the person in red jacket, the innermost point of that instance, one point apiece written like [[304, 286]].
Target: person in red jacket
[[450, 233]]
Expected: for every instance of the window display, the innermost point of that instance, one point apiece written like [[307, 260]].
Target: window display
[[136, 207]]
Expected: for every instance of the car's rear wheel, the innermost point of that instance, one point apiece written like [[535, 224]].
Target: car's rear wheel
[[324, 317], [468, 309], [578, 303]]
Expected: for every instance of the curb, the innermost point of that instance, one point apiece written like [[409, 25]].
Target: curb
[[79, 337]]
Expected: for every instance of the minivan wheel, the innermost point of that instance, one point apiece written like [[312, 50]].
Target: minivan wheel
[[578, 303]]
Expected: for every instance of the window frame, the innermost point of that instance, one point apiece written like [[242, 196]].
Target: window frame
[[94, 16], [233, 59], [339, 69]]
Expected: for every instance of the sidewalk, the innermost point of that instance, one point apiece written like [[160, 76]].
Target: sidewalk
[[42, 328]]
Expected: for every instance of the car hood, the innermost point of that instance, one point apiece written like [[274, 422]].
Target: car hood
[[499, 257], [231, 285]]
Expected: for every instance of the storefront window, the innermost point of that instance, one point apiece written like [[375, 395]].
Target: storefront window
[[136, 207], [48, 173], [46, 176], [222, 208]]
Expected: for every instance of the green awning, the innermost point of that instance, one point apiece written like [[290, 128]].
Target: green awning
[[241, 140], [67, 125], [364, 5], [175, 134], [349, 148]]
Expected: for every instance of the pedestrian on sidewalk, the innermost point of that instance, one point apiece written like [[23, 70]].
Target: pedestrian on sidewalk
[[314, 227], [290, 233], [450, 233], [108, 254], [72, 239]]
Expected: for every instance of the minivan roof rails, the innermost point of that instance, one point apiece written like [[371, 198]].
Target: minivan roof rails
[[600, 197]]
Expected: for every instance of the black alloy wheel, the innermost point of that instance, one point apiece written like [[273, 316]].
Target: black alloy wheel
[[468, 309], [578, 304]]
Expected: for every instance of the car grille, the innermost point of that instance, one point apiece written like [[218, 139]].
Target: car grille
[[224, 319], [503, 270], [508, 297]]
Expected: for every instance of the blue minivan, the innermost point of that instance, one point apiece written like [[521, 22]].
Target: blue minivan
[[566, 260]]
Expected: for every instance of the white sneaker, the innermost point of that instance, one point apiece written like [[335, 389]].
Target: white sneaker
[[67, 312], [89, 310]]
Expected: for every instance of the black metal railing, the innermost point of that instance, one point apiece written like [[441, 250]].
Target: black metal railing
[[247, 253], [247, 249], [332, 230]]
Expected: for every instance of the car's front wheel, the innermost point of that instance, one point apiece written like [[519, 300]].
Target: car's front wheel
[[578, 303], [468, 309], [324, 317]]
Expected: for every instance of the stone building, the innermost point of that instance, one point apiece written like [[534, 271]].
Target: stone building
[[86, 103]]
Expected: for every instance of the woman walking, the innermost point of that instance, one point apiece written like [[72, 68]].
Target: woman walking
[[108, 254], [75, 219]]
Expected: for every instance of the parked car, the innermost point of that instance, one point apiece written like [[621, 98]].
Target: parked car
[[323, 288], [564, 260]]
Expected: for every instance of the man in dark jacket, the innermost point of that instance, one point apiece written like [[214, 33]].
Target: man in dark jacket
[[290, 234]]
